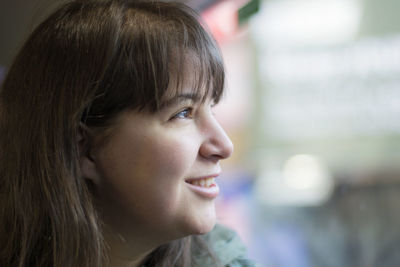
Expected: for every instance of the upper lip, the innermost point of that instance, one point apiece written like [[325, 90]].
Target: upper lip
[[215, 175]]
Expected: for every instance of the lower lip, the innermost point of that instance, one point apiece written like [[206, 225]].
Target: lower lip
[[206, 192]]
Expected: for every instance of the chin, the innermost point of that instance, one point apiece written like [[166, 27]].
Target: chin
[[207, 228], [203, 226]]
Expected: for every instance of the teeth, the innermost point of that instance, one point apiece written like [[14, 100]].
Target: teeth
[[206, 182]]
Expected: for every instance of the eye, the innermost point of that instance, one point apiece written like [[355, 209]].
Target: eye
[[186, 113]]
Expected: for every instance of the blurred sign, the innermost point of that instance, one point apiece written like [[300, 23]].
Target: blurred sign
[[334, 91]]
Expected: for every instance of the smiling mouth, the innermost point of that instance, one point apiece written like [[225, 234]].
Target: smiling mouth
[[204, 182], [205, 187]]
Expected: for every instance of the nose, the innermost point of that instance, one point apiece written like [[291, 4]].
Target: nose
[[216, 144]]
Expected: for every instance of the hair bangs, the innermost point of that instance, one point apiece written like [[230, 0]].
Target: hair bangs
[[195, 62], [171, 53], [162, 50]]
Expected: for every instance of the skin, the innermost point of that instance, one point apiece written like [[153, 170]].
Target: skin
[[139, 176]]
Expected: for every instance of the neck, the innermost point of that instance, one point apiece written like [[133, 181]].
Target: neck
[[122, 252]]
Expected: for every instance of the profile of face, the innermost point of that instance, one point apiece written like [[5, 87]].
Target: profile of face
[[155, 174]]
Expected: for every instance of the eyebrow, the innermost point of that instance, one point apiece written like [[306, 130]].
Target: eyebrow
[[180, 98]]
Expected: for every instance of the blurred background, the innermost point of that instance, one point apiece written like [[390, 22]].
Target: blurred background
[[313, 108]]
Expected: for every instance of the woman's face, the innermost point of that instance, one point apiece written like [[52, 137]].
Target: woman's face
[[156, 172]]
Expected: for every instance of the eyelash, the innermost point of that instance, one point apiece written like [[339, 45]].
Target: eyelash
[[184, 114]]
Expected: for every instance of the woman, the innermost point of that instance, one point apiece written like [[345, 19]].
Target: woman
[[109, 148]]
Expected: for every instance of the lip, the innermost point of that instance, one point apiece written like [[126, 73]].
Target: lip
[[205, 192]]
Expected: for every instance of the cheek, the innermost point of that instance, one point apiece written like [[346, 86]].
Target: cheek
[[149, 158], [165, 164], [172, 158], [145, 178]]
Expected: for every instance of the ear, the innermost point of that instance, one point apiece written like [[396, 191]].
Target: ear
[[87, 163]]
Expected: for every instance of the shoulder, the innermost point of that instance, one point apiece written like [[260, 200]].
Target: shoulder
[[228, 247]]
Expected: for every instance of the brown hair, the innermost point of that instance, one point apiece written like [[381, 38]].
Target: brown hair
[[86, 63]]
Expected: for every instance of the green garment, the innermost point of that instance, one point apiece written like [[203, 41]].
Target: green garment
[[227, 247]]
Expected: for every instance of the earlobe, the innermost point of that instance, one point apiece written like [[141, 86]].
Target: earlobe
[[86, 160]]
